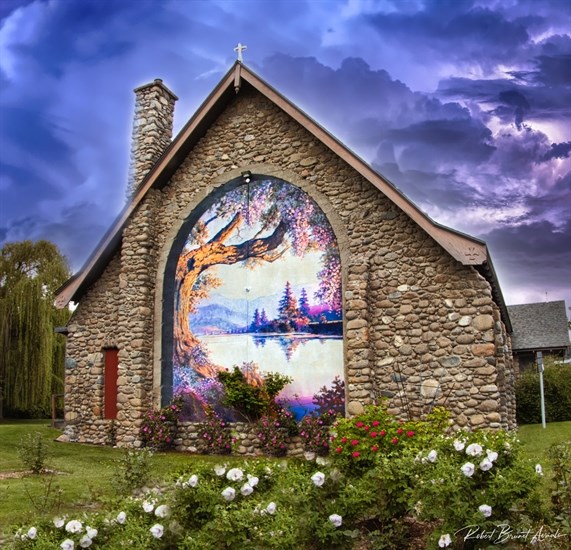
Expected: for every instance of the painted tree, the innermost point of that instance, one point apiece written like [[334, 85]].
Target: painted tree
[[31, 354], [250, 225], [287, 309]]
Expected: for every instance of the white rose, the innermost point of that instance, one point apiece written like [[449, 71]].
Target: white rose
[[445, 540], [85, 541], [485, 510], [235, 474], [162, 511], [432, 456], [74, 526], [486, 465], [468, 469], [252, 480], [459, 446], [67, 544], [121, 517], [474, 449], [271, 508], [193, 480], [336, 520], [246, 489], [219, 470], [157, 530], [318, 479], [229, 493]]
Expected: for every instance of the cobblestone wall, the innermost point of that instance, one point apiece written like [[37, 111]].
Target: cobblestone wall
[[420, 328]]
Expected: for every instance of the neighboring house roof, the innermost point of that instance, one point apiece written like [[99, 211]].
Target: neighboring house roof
[[464, 248], [539, 326]]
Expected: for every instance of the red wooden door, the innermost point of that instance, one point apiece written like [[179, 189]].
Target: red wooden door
[[110, 396]]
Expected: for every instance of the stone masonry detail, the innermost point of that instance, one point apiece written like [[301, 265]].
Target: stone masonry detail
[[420, 329]]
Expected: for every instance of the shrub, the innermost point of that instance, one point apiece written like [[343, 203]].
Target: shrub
[[429, 487], [33, 452], [216, 434], [251, 396], [560, 456], [557, 393], [314, 431], [357, 442], [133, 470], [158, 430]]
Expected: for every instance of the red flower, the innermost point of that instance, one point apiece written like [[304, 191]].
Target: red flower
[[374, 448], [383, 433], [400, 431], [339, 449], [356, 454], [373, 434], [375, 423], [359, 424], [354, 442], [410, 433], [366, 428], [395, 440], [343, 440]]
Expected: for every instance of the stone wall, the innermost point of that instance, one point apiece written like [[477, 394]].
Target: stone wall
[[247, 444], [420, 328]]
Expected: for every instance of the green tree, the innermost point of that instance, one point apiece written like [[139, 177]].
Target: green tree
[[31, 354]]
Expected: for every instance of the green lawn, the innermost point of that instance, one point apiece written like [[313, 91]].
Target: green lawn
[[537, 440], [85, 474]]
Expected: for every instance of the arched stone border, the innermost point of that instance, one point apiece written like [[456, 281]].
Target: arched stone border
[[218, 186]]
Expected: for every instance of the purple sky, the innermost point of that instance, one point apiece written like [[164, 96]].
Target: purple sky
[[465, 105]]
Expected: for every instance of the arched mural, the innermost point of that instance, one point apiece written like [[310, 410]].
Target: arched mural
[[257, 285]]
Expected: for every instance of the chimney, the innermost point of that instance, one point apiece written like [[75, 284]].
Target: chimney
[[152, 130]]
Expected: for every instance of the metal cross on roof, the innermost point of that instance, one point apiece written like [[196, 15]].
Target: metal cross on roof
[[239, 49]]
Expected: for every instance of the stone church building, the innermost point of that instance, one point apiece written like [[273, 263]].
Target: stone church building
[[256, 238]]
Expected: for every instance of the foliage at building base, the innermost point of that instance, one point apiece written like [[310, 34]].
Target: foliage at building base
[[386, 485]]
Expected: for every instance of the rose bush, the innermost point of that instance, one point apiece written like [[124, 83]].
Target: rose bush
[[420, 482]]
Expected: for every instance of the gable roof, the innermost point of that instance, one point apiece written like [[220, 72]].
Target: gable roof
[[539, 326], [464, 248]]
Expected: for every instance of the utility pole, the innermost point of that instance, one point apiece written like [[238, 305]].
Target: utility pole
[[540, 369]]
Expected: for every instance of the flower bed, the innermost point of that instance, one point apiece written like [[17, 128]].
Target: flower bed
[[374, 492]]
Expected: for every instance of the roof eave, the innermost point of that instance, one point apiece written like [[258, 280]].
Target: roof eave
[[466, 249]]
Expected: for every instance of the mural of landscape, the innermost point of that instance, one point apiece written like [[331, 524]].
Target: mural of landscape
[[258, 286]]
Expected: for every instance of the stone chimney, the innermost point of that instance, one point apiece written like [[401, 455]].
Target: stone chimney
[[152, 130]]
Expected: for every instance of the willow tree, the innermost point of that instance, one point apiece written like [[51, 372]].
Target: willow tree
[[31, 354]]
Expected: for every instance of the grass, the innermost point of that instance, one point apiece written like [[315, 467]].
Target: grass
[[85, 472], [84, 475], [537, 440]]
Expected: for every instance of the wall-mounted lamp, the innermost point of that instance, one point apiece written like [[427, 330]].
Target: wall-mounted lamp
[[247, 175]]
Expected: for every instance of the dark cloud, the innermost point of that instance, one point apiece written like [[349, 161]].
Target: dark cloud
[[435, 143], [533, 257], [479, 34], [76, 230], [558, 151], [462, 104]]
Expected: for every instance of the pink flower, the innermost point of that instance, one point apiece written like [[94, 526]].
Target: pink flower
[[410, 433], [373, 434], [354, 442], [374, 448], [356, 454], [339, 449], [375, 423], [359, 424], [394, 440]]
